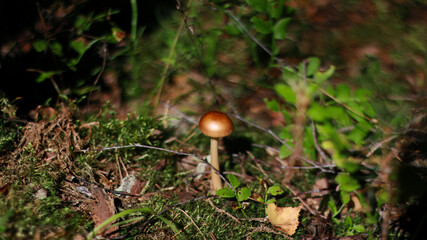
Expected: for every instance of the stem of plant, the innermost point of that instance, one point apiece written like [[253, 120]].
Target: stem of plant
[[241, 209], [216, 179], [134, 21]]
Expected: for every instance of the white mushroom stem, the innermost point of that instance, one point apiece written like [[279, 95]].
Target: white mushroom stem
[[216, 179]]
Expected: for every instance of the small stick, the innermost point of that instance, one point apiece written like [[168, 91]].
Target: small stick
[[101, 149]]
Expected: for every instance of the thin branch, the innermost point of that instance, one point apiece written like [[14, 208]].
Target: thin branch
[[269, 131], [250, 35], [372, 120], [378, 145], [316, 144], [101, 149], [223, 211], [308, 167], [104, 63], [310, 209], [194, 223]]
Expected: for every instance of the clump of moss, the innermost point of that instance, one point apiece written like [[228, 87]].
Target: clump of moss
[[9, 128]]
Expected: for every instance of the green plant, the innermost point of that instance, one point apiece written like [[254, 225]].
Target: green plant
[[239, 193], [343, 121], [274, 190]]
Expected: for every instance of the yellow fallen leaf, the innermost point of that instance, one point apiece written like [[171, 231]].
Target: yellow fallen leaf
[[285, 218]]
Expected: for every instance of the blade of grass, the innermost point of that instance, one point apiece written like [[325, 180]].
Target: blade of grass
[[115, 217], [158, 88], [134, 21]]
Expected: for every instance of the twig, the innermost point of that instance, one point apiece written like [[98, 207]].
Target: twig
[[308, 167], [372, 120], [104, 62], [377, 145], [316, 144], [84, 181], [194, 223], [101, 149], [14, 120], [223, 211], [311, 210], [183, 115], [250, 35], [159, 86], [259, 166], [269, 131]]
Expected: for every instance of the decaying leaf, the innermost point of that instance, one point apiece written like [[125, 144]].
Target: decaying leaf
[[103, 209], [285, 218]]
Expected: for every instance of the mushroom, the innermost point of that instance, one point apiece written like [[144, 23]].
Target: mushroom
[[215, 124]]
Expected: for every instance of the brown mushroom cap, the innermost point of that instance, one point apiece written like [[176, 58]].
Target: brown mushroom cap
[[216, 124]]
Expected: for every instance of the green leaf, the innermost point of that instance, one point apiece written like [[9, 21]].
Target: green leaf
[[45, 75], [359, 228], [313, 66], [226, 193], [362, 94], [40, 45], [258, 5], [285, 152], [285, 133], [280, 28], [78, 46], [320, 77], [81, 48], [343, 93], [273, 105], [233, 180], [169, 223], [83, 23], [348, 221], [243, 194], [358, 134], [285, 92], [275, 8], [262, 26], [347, 183], [116, 217], [368, 109], [275, 190], [345, 197], [56, 48], [332, 207], [289, 74], [349, 165], [316, 112], [232, 30]]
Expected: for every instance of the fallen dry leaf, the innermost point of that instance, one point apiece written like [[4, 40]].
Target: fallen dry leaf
[[103, 209], [285, 218]]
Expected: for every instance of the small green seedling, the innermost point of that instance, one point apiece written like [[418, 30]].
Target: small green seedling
[[273, 191], [241, 194]]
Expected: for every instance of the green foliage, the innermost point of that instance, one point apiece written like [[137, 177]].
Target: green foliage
[[271, 18], [328, 110], [240, 194], [8, 129]]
